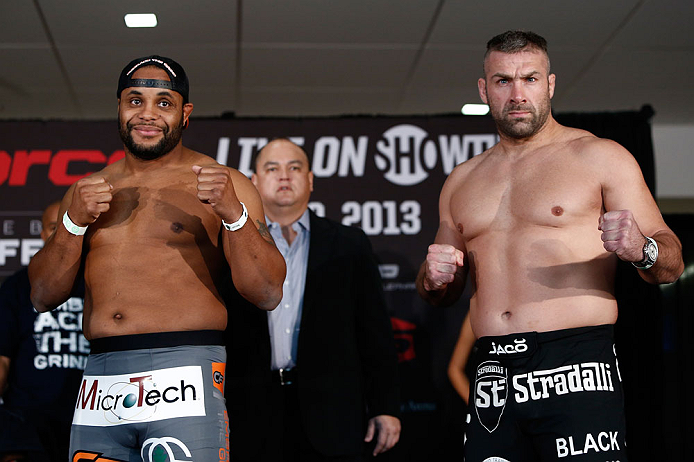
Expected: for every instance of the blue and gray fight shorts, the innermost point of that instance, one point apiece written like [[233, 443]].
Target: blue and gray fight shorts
[[153, 397], [549, 396]]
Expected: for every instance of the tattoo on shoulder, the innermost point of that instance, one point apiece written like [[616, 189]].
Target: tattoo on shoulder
[[264, 232]]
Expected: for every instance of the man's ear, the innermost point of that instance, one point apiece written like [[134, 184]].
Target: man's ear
[[482, 89]]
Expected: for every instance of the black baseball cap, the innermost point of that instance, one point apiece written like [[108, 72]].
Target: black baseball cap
[[178, 81]]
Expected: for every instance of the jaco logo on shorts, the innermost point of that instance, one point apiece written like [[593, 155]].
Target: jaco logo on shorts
[[140, 397]]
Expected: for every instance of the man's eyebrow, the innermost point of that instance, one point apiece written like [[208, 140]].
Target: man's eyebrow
[[502, 75], [161, 93], [530, 74]]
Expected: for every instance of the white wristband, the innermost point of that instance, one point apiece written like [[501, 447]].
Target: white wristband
[[238, 224], [73, 228]]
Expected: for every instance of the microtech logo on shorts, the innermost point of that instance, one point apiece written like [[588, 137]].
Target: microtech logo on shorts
[[574, 378], [140, 397]]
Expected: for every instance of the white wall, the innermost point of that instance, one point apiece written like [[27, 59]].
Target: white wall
[[674, 160]]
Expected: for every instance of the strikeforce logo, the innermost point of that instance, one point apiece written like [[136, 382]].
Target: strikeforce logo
[[14, 169], [140, 397]]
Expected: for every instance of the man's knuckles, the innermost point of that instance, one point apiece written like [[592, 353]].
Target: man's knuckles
[[438, 278]]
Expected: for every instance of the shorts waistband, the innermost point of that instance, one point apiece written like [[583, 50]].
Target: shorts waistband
[[552, 335], [523, 344], [156, 340]]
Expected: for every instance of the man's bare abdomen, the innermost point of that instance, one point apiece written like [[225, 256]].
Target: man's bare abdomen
[[541, 281], [141, 289]]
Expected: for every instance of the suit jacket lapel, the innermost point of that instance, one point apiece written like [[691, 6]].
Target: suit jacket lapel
[[320, 244]]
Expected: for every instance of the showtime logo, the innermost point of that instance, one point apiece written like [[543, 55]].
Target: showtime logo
[[14, 170], [140, 397], [406, 153]]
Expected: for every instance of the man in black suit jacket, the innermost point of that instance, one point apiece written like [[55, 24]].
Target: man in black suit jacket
[[316, 378]]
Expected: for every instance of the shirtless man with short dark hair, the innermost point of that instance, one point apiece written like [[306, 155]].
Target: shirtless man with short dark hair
[[538, 222], [156, 234]]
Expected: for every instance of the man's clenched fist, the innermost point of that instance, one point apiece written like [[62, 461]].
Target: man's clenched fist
[[621, 235], [90, 198], [216, 188], [442, 263]]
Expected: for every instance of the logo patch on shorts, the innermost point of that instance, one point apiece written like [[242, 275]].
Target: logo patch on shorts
[[108, 400], [570, 378], [167, 449], [218, 376], [605, 441], [88, 456], [491, 392]]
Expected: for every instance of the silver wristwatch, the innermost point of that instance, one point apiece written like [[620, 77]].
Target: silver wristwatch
[[650, 255]]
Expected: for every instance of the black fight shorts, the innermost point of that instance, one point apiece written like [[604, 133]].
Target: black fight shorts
[[549, 396]]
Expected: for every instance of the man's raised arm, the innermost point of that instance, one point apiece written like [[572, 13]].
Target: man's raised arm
[[52, 271], [257, 267], [632, 217], [441, 278]]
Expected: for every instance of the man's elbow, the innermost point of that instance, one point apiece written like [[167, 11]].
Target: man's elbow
[[38, 300], [272, 296], [271, 300], [267, 299], [674, 275]]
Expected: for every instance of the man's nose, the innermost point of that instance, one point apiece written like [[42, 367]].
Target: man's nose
[[148, 112], [518, 94]]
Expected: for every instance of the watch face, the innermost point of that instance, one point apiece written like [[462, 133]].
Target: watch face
[[652, 251]]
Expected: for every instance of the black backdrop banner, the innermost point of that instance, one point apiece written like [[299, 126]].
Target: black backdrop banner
[[383, 174]]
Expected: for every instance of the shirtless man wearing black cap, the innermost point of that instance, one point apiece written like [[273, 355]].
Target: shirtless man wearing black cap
[[156, 236]]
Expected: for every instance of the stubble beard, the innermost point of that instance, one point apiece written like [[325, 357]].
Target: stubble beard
[[169, 141], [522, 128]]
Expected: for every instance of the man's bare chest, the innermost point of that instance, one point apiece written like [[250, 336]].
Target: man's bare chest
[[504, 201], [166, 212]]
